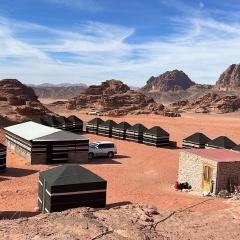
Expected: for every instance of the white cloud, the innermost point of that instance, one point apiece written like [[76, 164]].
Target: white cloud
[[202, 47]]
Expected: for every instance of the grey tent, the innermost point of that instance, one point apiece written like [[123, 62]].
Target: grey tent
[[119, 130], [105, 128], [70, 186], [3, 150], [93, 125], [65, 123], [135, 133], [77, 123], [51, 121], [196, 140], [221, 142], [156, 136], [237, 148]]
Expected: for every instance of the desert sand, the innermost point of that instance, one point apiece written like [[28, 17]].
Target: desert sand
[[138, 174]]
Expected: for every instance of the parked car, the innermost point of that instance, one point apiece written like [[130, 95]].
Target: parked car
[[102, 149]]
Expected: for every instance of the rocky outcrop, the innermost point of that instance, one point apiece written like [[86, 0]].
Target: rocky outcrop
[[230, 78], [18, 102], [61, 91], [113, 97], [168, 81], [209, 103]]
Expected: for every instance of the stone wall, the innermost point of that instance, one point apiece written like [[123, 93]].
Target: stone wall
[[191, 170], [228, 172]]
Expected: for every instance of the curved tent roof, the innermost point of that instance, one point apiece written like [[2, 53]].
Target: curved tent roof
[[123, 125], [75, 119], [198, 137], [70, 174], [96, 121], [157, 131], [138, 128], [237, 148], [108, 123], [222, 142]]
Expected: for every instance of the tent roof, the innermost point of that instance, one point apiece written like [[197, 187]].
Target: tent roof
[[237, 148], [64, 120], [222, 141], [69, 174], [75, 119], [123, 125], [138, 128], [96, 121], [157, 131], [31, 130], [198, 137], [63, 136], [51, 120], [108, 123]]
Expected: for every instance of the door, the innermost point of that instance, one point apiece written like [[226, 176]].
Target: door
[[49, 152], [207, 178]]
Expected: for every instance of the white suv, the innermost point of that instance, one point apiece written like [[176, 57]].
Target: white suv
[[102, 149]]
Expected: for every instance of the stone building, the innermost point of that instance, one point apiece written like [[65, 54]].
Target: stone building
[[40, 144], [210, 169]]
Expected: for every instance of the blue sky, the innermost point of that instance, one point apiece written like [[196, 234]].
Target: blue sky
[[90, 41]]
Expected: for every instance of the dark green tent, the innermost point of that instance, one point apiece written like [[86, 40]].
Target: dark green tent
[[105, 128], [221, 142], [93, 125], [119, 130], [196, 140], [51, 121], [70, 186], [135, 133], [3, 150], [156, 136], [77, 123], [66, 124], [237, 148]]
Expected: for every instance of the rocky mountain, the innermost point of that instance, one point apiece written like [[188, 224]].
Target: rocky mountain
[[18, 102], [230, 78], [168, 81], [208, 103], [113, 97], [58, 91]]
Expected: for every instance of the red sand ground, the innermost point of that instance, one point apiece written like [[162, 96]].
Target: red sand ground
[[139, 173]]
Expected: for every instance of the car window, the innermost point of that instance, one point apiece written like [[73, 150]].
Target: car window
[[106, 145]]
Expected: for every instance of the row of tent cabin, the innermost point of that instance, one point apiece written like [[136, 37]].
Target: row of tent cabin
[[71, 123], [138, 133], [200, 140]]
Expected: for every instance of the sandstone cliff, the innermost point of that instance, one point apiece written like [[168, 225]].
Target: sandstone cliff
[[230, 78], [168, 81], [113, 97]]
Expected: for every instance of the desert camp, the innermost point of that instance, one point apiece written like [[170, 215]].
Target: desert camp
[[46, 144], [221, 142], [119, 130], [93, 125], [156, 136], [105, 128], [135, 133], [196, 140], [70, 186]]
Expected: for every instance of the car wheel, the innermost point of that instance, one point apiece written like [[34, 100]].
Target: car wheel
[[90, 156], [110, 155]]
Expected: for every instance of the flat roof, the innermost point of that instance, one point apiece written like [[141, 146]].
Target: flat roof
[[219, 155], [31, 130]]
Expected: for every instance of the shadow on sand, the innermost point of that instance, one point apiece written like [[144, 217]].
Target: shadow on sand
[[9, 215], [18, 172], [102, 160]]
